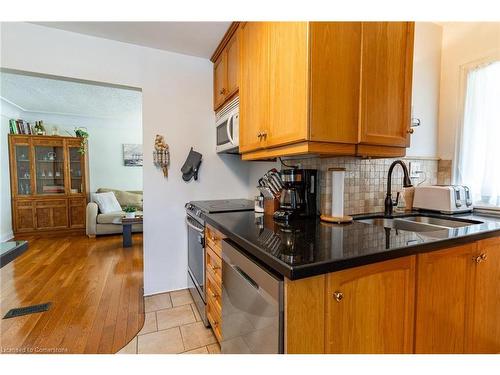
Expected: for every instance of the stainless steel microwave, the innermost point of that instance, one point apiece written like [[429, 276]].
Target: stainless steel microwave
[[228, 128]]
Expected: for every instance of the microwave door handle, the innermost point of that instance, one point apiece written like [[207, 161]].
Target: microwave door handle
[[229, 123]]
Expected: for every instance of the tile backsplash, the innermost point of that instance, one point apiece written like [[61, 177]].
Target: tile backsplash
[[365, 181]]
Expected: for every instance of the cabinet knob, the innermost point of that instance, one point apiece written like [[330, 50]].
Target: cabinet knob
[[481, 258], [222, 91], [338, 296], [264, 134], [214, 295], [410, 131], [259, 135]]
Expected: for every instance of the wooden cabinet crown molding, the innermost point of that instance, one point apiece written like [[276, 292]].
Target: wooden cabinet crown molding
[[225, 39]]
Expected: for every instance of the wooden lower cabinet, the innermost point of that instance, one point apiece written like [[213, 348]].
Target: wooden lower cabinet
[[49, 215], [77, 212], [369, 309], [24, 217], [444, 301], [443, 293], [483, 334], [458, 299], [213, 279]]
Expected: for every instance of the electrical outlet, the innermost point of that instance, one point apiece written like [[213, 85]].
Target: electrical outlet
[[415, 169]]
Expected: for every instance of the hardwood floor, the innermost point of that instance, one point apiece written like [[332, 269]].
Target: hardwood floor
[[96, 290]]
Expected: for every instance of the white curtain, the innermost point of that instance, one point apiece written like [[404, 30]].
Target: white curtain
[[478, 152]]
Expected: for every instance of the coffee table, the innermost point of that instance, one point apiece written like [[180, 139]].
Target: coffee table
[[127, 228]]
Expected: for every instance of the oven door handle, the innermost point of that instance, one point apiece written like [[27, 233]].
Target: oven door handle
[[193, 227]]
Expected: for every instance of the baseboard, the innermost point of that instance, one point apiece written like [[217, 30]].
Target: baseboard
[[7, 236], [165, 291]]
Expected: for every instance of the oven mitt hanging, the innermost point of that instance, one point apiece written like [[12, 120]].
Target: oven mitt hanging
[[191, 166]]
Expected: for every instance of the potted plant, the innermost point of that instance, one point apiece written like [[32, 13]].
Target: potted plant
[[130, 212], [83, 134]]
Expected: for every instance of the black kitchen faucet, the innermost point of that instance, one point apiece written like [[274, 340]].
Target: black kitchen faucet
[[389, 203]]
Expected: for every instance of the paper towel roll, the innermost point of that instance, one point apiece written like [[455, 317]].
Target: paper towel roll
[[337, 175]]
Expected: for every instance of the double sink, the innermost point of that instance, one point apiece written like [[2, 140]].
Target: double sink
[[418, 223]]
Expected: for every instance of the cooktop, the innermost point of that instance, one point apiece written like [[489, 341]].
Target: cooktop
[[224, 205]]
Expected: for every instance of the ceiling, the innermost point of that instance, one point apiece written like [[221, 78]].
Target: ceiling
[[47, 95], [189, 38]]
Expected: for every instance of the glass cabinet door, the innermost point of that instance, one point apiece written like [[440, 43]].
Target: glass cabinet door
[[75, 170], [23, 172], [49, 165]]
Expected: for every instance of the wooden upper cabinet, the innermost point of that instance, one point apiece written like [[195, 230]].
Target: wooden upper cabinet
[[370, 309], [386, 80], [233, 63], [484, 327], [227, 68], [335, 74], [443, 294], [254, 88], [288, 63], [333, 88], [219, 81]]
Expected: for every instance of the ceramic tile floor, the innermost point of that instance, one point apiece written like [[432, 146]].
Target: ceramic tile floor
[[172, 325]]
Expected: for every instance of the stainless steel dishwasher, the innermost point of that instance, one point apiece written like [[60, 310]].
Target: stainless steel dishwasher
[[252, 305]]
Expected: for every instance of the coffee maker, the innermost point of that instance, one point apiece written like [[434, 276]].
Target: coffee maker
[[299, 195]]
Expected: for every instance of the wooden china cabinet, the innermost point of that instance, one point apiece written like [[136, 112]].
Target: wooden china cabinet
[[49, 184]]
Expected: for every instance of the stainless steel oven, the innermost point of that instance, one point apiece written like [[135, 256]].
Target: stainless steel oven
[[195, 223], [196, 263]]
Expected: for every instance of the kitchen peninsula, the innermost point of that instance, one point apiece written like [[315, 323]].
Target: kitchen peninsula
[[364, 288]]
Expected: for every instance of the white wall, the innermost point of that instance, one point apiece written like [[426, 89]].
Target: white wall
[[7, 112], [105, 147], [425, 96], [177, 102], [463, 43]]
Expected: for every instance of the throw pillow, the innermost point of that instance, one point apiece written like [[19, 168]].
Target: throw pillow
[[107, 202]]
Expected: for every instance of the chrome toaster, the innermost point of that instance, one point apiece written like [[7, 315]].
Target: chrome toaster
[[447, 199]]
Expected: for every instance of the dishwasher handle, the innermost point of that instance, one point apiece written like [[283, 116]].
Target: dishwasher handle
[[244, 275]]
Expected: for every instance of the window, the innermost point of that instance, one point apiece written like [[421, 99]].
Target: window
[[478, 151]]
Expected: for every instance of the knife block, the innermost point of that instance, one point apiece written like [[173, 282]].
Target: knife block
[[271, 206]]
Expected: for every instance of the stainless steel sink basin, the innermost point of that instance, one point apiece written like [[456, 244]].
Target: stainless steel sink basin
[[418, 223], [448, 223]]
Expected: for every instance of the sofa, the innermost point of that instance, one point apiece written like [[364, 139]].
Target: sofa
[[99, 223]]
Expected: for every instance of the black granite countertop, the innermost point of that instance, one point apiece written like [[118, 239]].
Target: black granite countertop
[[310, 247]]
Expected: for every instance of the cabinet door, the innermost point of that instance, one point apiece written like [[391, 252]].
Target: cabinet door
[[21, 167], [387, 64], [24, 216], [49, 166], [288, 83], [335, 74], [369, 309], [484, 332], [232, 51], [443, 294], [254, 90], [77, 212], [51, 214], [220, 80]]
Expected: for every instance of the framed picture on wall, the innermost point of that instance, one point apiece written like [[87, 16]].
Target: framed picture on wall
[[132, 155]]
